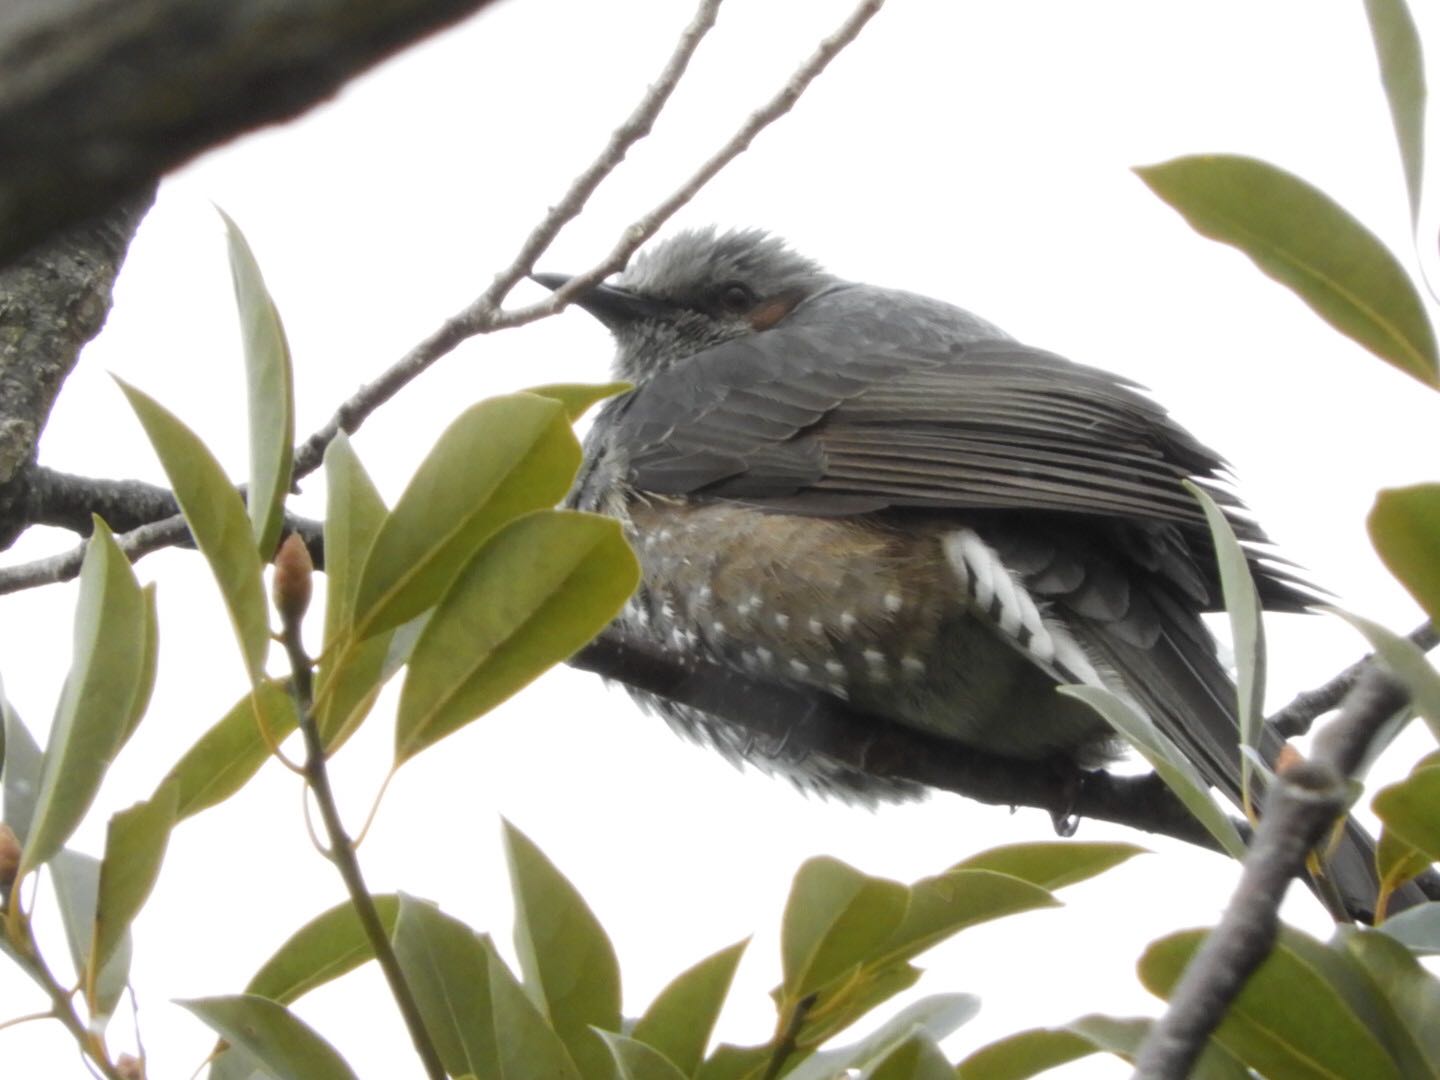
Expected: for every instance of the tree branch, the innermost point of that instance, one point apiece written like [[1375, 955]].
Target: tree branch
[[98, 100], [1301, 809]]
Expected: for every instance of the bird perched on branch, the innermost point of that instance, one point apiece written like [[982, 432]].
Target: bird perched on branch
[[873, 495]]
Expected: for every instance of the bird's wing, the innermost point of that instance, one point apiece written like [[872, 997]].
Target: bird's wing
[[809, 421]]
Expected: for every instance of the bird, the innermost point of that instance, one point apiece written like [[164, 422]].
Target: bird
[[866, 493]]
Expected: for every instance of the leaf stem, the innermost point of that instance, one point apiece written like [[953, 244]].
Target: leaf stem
[[342, 852]]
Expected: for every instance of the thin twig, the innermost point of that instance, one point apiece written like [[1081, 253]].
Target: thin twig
[[1301, 809], [341, 851], [786, 1038], [484, 315], [1296, 717]]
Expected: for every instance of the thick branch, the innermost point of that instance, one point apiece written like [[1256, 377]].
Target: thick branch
[[775, 713], [52, 302], [1301, 809], [98, 99]]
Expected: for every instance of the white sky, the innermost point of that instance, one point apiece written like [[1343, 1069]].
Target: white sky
[[976, 152]]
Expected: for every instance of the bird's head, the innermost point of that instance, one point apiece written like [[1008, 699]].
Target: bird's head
[[696, 290]]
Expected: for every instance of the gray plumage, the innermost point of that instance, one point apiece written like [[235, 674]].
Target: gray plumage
[[884, 497]]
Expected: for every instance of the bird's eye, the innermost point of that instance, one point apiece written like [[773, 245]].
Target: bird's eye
[[736, 297]]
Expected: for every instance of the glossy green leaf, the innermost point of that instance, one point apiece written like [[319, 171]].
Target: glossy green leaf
[[1405, 529], [636, 1060], [148, 661], [936, 1017], [1411, 996], [217, 519], [500, 459], [282, 1043], [1305, 240], [836, 917], [271, 389], [134, 848], [1397, 862], [328, 946], [1025, 1054], [1417, 928], [351, 672], [76, 879], [730, 1062], [1408, 809], [1247, 630], [577, 398], [529, 1048], [1402, 71], [539, 590], [948, 903], [1165, 758], [915, 1058], [448, 971], [106, 675], [565, 955], [232, 751], [1297, 1016], [846, 1000], [682, 1017], [1404, 659], [1052, 864], [20, 772]]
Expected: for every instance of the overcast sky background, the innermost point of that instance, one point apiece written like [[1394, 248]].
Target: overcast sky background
[[976, 152]]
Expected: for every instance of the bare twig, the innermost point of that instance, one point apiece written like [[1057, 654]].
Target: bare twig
[[1296, 717], [484, 315], [1301, 809]]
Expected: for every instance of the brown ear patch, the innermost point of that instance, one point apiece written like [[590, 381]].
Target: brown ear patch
[[769, 312]]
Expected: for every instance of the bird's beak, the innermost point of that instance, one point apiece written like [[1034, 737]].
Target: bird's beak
[[613, 307]]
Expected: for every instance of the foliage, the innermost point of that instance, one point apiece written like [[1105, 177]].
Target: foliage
[[474, 552]]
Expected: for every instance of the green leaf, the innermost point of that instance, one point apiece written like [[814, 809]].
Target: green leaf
[[328, 946], [1417, 928], [564, 953], [21, 775], [730, 1062], [682, 1017], [500, 459], [1308, 242], [1025, 1054], [1402, 71], [224, 758], [1411, 996], [148, 661], [351, 673], [1298, 1015], [836, 918], [1122, 1037], [134, 848], [1404, 659], [578, 397], [1165, 758], [844, 1001], [1408, 810], [448, 971], [936, 1017], [106, 675], [1052, 864], [271, 390], [217, 520], [916, 1058], [944, 905], [636, 1060], [1247, 631], [1404, 526], [76, 878], [282, 1043], [530, 1048], [1397, 862], [539, 590]]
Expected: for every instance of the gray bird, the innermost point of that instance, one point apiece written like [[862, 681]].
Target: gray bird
[[869, 494]]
